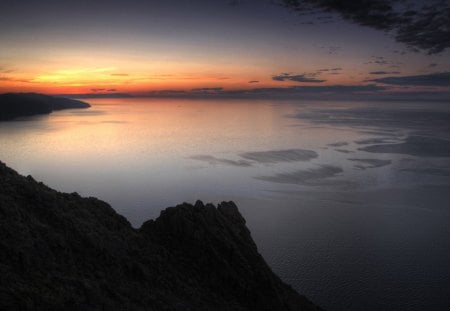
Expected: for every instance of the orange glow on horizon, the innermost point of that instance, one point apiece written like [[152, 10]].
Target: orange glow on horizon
[[140, 78]]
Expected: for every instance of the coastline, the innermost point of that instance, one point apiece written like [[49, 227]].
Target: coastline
[[16, 105], [60, 250]]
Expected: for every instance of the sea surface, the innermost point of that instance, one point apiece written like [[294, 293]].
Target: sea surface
[[349, 202]]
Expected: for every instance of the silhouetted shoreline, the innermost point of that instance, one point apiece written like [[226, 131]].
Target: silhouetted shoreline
[[15, 105], [62, 251]]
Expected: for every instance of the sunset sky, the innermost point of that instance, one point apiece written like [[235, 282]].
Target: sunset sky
[[216, 47]]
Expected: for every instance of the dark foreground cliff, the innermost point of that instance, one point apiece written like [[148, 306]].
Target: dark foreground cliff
[[14, 105], [60, 251]]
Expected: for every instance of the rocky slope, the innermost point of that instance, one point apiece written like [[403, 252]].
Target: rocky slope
[[61, 251], [14, 105]]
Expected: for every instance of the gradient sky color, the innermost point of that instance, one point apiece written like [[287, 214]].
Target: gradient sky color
[[204, 46]]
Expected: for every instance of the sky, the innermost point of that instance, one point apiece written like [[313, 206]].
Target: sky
[[230, 48]]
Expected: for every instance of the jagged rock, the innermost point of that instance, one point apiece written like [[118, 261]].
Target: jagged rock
[[62, 251]]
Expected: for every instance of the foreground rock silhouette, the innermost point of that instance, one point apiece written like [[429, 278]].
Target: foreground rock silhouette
[[60, 251], [14, 105]]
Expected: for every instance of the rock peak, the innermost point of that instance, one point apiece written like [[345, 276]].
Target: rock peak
[[62, 251]]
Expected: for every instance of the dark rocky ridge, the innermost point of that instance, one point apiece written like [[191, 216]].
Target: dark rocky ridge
[[61, 251], [14, 105]]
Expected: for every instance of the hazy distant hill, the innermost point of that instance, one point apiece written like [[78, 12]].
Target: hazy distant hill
[[13, 105], [60, 251]]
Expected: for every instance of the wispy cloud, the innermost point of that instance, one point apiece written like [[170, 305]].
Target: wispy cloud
[[98, 90], [370, 163], [4, 70], [333, 71], [207, 90], [384, 72], [382, 61], [332, 49], [9, 79], [309, 78]]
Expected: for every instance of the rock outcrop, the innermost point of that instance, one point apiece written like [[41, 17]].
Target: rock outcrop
[[14, 105], [60, 251]]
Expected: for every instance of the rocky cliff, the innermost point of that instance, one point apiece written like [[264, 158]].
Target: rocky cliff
[[60, 251], [14, 105]]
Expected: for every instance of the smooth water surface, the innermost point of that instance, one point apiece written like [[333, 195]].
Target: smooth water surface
[[348, 201]]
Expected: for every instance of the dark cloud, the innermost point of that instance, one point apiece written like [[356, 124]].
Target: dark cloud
[[384, 72], [310, 177], [338, 144], [214, 161], [332, 71], [343, 151], [333, 49], [98, 90], [419, 25], [207, 89], [253, 81], [166, 93], [370, 163], [428, 171], [275, 156], [432, 65], [111, 90], [400, 52], [379, 61], [297, 78], [427, 28], [433, 79], [382, 61]]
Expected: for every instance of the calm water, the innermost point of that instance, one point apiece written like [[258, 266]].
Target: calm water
[[348, 202]]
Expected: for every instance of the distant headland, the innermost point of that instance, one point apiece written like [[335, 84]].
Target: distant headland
[[15, 105]]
